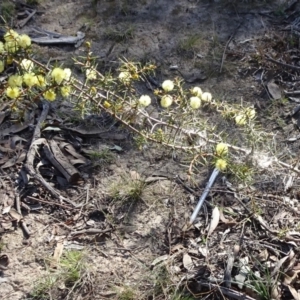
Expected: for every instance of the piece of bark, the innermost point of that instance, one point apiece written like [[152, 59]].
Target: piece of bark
[[60, 162]]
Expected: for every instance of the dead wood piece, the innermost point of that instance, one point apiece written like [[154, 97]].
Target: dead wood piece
[[51, 38], [292, 67], [227, 292], [30, 13], [91, 231], [36, 141], [60, 162]]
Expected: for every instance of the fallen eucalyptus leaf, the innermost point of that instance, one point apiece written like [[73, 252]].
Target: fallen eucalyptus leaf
[[214, 221]]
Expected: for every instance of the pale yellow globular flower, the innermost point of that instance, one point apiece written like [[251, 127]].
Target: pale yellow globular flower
[[106, 104], [27, 65], [168, 85], [240, 120], [124, 76], [166, 101], [13, 92], [41, 81], [24, 41], [11, 46], [91, 74], [1, 66], [9, 60], [144, 100], [58, 75], [1, 48], [49, 95], [30, 79], [196, 91], [206, 97], [250, 113], [68, 74], [221, 149], [195, 102], [15, 80], [65, 91], [11, 35], [93, 90], [221, 164]]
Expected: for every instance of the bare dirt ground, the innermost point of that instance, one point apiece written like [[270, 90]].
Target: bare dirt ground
[[130, 228]]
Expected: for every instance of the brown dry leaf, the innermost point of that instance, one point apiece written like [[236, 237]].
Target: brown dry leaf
[[15, 215], [290, 277], [14, 140], [294, 293], [57, 254], [78, 161], [226, 221], [21, 157], [71, 150], [278, 265], [274, 90], [160, 259], [187, 261], [214, 220], [11, 162], [134, 175]]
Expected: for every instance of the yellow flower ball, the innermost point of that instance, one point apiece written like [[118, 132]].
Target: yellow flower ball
[[13, 93], [50, 95], [221, 164], [41, 81], [106, 104], [166, 101], [65, 91], [68, 74], [195, 102], [144, 100], [206, 97], [93, 90], [167, 85], [221, 149], [30, 79], [26, 65], [58, 75], [240, 120], [2, 50], [124, 76], [15, 80], [24, 41], [91, 74], [11, 35], [9, 60], [11, 46], [196, 91], [250, 113], [2, 65]]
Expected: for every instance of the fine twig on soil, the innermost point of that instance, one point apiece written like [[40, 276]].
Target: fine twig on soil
[[91, 231], [227, 292], [282, 64], [226, 46]]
